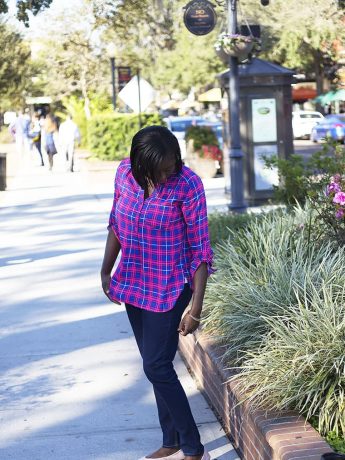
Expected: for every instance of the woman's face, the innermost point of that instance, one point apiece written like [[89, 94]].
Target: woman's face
[[167, 169]]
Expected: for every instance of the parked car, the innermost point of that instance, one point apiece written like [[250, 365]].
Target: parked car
[[303, 122], [179, 125], [332, 126]]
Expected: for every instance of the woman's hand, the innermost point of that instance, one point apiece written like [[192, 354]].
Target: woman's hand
[[105, 286], [188, 325]]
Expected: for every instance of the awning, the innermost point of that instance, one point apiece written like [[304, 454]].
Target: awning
[[303, 93], [172, 104], [38, 100], [331, 96], [212, 95], [339, 95]]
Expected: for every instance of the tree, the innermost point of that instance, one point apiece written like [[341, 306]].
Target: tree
[[192, 63], [299, 34], [152, 19], [23, 6], [71, 56], [151, 35], [15, 67]]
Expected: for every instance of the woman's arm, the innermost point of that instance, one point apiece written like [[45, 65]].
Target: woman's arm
[[199, 283], [188, 324], [112, 249], [195, 215]]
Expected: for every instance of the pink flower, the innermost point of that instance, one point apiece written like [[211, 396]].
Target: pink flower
[[340, 213], [336, 178], [333, 187], [339, 198]]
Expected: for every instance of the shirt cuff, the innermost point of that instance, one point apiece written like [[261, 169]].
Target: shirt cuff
[[206, 258], [114, 229]]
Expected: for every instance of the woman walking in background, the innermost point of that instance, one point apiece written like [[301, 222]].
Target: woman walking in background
[[159, 221], [35, 135], [50, 129]]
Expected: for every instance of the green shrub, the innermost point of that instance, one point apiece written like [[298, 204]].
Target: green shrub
[[336, 442], [259, 268], [220, 224], [5, 136], [110, 136], [98, 104], [301, 363], [201, 135], [300, 179], [275, 305], [312, 181]]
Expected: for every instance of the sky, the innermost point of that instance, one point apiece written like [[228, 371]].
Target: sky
[[37, 23]]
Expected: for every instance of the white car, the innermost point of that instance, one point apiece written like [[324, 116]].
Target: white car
[[303, 121]]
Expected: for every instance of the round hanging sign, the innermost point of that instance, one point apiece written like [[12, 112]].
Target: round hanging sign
[[200, 17]]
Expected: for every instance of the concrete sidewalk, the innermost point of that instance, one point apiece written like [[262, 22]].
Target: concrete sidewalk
[[72, 387]]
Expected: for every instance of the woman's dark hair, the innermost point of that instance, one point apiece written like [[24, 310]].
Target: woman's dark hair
[[150, 147]]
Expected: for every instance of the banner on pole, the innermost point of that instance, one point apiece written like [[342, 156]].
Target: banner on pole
[[124, 76]]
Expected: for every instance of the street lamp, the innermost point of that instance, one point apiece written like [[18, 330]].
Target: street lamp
[[111, 49], [238, 203]]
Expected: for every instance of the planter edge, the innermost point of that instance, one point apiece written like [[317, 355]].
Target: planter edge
[[256, 435]]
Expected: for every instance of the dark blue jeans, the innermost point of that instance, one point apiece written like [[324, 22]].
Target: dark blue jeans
[[157, 338]]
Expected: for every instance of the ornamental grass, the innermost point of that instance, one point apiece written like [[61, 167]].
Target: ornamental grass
[[276, 307], [300, 364]]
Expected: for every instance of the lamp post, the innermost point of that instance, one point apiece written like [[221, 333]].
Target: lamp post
[[238, 203], [235, 154], [112, 53]]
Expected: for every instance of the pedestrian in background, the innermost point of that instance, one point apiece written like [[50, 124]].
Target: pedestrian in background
[[69, 135], [35, 135], [20, 129], [50, 131], [159, 222]]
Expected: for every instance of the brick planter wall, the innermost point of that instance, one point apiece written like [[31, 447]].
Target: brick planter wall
[[258, 435]]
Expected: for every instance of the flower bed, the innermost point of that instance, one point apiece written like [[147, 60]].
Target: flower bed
[[275, 310], [256, 435]]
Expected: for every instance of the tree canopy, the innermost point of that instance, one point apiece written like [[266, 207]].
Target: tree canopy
[[71, 56], [150, 35], [24, 6], [15, 66], [300, 35]]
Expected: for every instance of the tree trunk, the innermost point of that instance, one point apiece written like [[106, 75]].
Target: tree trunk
[[85, 96]]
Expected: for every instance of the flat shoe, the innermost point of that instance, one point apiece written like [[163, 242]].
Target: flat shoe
[[179, 455]]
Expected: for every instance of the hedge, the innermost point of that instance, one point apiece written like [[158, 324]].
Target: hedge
[[110, 136]]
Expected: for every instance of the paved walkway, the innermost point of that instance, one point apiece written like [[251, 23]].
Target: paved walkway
[[71, 384]]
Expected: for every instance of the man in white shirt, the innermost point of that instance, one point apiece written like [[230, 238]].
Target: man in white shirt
[[69, 135]]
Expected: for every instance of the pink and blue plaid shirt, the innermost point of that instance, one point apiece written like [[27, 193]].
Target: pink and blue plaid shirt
[[164, 238]]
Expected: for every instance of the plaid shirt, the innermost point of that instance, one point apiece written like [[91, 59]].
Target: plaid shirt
[[164, 238]]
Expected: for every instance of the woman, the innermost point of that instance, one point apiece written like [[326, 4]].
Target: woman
[[35, 135], [159, 221], [50, 129]]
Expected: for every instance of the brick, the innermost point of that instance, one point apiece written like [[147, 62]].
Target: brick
[[288, 433], [313, 438], [263, 422], [297, 426], [288, 441], [257, 435], [296, 449], [306, 454]]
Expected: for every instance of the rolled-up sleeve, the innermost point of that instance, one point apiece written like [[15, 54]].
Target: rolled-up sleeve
[[112, 217], [195, 215]]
